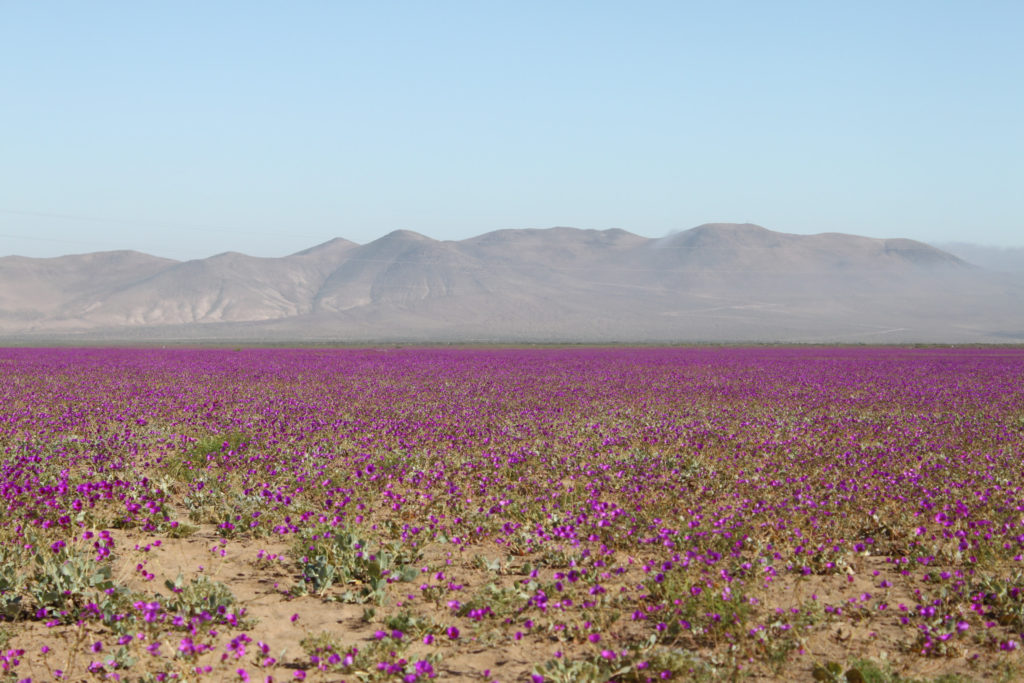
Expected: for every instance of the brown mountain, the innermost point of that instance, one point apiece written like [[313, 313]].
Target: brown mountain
[[715, 282]]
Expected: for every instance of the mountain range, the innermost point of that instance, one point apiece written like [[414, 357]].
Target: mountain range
[[713, 283]]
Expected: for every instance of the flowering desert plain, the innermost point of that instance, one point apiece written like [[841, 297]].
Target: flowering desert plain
[[486, 514]]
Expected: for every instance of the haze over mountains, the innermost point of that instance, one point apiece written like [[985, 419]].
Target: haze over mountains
[[1000, 259], [715, 282]]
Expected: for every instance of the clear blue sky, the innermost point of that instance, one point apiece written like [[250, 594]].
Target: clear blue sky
[[189, 128]]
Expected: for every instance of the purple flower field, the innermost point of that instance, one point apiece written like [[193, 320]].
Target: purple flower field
[[512, 514]]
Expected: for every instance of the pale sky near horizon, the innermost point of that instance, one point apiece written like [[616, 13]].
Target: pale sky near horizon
[[189, 128]]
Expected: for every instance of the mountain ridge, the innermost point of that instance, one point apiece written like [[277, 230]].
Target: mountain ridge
[[714, 282]]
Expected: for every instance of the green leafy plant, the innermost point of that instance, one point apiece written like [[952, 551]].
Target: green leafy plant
[[337, 555], [12, 585], [65, 581], [204, 598]]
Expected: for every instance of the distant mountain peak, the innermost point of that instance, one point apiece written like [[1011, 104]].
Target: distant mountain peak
[[335, 244], [404, 236], [730, 227]]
